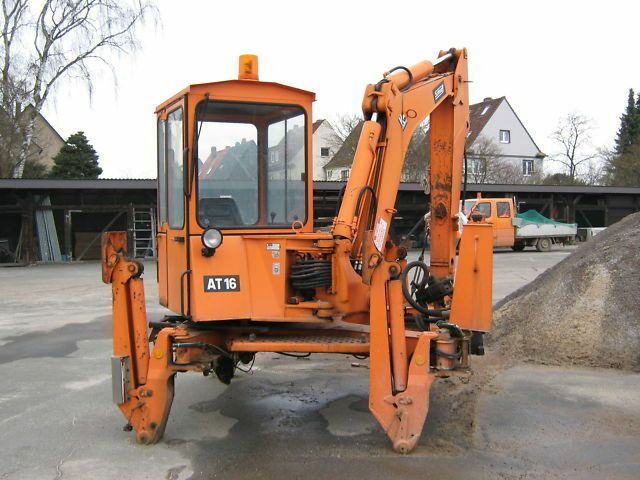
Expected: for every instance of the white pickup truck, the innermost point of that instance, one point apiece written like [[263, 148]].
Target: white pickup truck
[[518, 231]]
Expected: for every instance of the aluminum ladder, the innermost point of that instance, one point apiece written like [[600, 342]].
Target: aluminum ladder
[[144, 233]]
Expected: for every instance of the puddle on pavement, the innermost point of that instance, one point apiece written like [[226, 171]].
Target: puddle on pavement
[[346, 417], [56, 343]]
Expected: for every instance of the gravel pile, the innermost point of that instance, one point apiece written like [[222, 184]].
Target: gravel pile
[[583, 311]]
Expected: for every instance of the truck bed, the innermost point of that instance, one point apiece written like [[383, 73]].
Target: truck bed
[[527, 229]]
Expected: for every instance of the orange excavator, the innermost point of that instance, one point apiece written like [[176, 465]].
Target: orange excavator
[[243, 269]]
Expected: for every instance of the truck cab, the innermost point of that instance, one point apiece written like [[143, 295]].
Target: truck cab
[[499, 212]]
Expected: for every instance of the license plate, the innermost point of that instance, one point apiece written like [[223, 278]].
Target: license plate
[[222, 283]]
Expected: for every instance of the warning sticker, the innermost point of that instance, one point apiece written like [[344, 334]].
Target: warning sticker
[[379, 233], [273, 246]]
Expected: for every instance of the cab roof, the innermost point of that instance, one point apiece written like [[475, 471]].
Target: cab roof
[[201, 88]]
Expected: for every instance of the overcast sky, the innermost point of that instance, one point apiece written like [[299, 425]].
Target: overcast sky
[[547, 57]]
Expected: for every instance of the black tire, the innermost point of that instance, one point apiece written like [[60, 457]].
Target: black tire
[[518, 247], [543, 244]]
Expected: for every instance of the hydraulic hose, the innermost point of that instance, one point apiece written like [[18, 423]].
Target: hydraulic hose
[[454, 329], [204, 346], [374, 204], [409, 73], [310, 273], [441, 313], [423, 321]]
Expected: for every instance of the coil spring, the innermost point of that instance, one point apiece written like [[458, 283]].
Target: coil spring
[[310, 273]]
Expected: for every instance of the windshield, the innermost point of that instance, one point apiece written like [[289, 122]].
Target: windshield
[[468, 205], [252, 164]]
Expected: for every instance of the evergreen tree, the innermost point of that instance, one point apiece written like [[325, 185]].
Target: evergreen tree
[[629, 130], [76, 159], [622, 166], [624, 170]]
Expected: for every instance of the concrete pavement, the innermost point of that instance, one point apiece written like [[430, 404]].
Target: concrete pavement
[[290, 417]]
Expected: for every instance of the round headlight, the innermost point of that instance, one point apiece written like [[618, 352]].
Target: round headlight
[[212, 238]]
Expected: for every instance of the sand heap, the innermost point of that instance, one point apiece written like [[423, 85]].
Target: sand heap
[[583, 311]]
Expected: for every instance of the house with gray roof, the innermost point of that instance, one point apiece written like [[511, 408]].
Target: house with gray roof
[[325, 144], [499, 149], [339, 167]]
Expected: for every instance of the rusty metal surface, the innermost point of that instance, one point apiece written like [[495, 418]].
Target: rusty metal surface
[[112, 243], [302, 343]]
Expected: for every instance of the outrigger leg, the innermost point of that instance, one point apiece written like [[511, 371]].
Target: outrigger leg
[[399, 396], [142, 383]]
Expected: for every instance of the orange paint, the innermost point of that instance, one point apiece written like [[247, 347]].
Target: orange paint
[[282, 286]]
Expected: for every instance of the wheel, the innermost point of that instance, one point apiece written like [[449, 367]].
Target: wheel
[[543, 244], [518, 247]]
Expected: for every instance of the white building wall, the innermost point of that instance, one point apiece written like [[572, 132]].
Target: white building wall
[[336, 174], [323, 137], [505, 119], [520, 146]]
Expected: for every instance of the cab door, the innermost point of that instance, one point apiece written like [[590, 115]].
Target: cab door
[[161, 238], [176, 238], [503, 225], [487, 209]]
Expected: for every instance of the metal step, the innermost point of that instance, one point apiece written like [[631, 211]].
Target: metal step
[[358, 343]]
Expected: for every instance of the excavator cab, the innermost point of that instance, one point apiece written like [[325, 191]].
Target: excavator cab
[[234, 183], [243, 270]]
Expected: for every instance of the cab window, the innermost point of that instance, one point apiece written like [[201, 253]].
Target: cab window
[[174, 151], [251, 164], [228, 179], [286, 170], [483, 208], [468, 206], [162, 175], [504, 210]]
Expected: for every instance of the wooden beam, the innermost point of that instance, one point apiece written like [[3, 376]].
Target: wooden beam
[[113, 220]]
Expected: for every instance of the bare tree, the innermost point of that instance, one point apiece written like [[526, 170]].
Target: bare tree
[[343, 125], [593, 172], [64, 39], [418, 156], [482, 157], [573, 138], [485, 164]]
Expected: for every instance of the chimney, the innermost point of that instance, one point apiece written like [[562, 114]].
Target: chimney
[[214, 150], [486, 99]]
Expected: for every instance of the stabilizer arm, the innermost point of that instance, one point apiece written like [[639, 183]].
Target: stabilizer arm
[[142, 384], [399, 379]]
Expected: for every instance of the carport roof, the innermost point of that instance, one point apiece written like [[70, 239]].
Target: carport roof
[[150, 184], [511, 188], [60, 184]]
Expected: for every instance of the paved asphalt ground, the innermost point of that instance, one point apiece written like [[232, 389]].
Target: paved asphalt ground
[[290, 418]]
